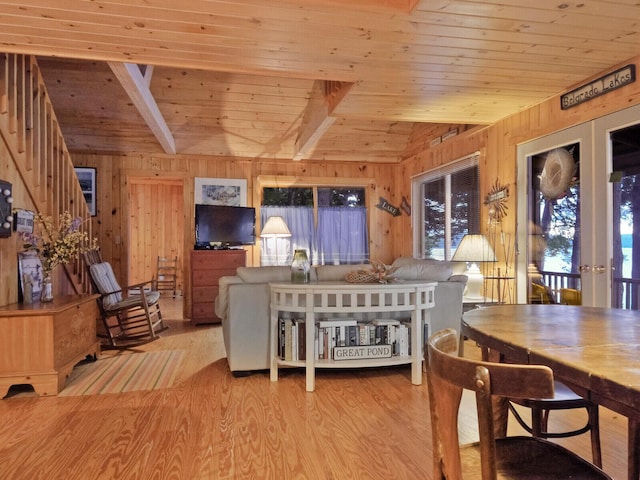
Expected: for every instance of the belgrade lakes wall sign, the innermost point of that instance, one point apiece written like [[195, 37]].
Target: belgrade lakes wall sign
[[605, 84]]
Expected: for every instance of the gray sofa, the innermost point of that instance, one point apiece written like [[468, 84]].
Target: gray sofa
[[243, 303]]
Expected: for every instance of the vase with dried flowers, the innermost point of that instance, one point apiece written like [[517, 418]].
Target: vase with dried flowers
[[56, 244]]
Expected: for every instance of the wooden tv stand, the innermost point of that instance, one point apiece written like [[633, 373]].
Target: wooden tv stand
[[40, 343], [207, 266]]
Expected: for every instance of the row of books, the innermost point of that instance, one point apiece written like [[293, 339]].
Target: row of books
[[345, 339]]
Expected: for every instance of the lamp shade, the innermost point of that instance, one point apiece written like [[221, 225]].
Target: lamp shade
[[275, 227], [474, 248]]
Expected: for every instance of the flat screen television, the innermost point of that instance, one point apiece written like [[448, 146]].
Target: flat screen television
[[222, 226]]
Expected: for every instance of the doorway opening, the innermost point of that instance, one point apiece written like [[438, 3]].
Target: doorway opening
[[156, 226]]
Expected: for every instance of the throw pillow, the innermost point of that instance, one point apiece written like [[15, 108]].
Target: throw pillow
[[408, 268]]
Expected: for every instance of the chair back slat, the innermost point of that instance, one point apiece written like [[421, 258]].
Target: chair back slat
[[91, 257]]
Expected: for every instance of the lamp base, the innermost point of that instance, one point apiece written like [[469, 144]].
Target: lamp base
[[475, 282]]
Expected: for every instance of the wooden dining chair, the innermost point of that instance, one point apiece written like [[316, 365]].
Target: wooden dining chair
[[564, 399], [520, 457]]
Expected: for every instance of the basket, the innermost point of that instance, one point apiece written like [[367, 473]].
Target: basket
[[379, 273], [360, 276]]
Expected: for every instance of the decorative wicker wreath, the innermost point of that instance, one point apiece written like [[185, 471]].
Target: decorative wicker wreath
[[379, 273]]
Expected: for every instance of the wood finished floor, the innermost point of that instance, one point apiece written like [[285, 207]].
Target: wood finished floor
[[369, 424]]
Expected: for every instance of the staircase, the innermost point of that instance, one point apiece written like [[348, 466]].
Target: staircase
[[30, 131]]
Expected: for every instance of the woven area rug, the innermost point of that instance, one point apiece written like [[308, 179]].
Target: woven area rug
[[125, 373]]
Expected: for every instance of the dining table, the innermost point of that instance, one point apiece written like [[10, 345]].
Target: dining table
[[596, 351]]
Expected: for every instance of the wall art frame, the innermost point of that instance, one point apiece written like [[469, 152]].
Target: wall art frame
[[30, 269], [87, 178], [24, 221], [220, 191]]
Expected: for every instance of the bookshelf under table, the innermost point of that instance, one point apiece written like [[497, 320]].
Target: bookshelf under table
[[315, 299]]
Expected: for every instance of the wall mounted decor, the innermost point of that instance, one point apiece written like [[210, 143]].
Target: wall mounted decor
[[405, 206], [87, 178], [6, 209], [496, 200], [24, 221], [31, 275], [220, 191], [384, 205]]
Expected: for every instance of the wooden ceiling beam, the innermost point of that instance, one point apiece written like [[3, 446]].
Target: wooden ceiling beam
[[137, 87], [325, 97]]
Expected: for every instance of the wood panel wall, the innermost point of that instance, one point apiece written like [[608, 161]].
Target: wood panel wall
[[35, 160], [115, 207], [390, 236], [498, 144]]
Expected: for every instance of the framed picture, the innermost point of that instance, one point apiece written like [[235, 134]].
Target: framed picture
[[221, 191], [87, 178], [29, 271], [24, 221]]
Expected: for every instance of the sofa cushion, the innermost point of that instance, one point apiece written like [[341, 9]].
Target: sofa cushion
[[221, 307], [267, 274], [264, 274], [456, 277], [409, 268]]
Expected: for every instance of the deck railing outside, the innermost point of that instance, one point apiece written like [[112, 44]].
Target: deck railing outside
[[625, 294]]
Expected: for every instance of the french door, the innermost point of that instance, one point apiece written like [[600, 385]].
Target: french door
[[579, 237], [617, 150]]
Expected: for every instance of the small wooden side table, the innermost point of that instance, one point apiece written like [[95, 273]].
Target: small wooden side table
[[40, 343], [499, 279]]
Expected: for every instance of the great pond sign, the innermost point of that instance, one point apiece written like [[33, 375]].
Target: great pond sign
[[612, 81]]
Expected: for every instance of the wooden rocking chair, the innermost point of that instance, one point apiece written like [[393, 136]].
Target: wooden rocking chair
[[131, 315]]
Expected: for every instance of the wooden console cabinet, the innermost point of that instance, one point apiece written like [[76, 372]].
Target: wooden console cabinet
[[317, 300], [207, 266], [42, 342]]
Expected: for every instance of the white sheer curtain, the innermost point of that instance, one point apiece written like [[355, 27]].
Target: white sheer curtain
[[342, 235], [303, 235]]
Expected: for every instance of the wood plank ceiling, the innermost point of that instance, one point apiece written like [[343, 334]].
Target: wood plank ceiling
[[240, 77]]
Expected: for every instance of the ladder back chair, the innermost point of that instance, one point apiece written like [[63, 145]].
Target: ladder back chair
[[518, 457], [167, 274]]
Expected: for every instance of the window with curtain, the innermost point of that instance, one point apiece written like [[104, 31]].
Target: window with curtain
[[450, 207], [279, 251], [329, 223]]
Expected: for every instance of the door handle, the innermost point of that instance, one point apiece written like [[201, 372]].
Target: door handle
[[600, 269], [584, 268]]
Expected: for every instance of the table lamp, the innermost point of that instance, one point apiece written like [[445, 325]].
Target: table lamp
[[473, 249], [275, 228]]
